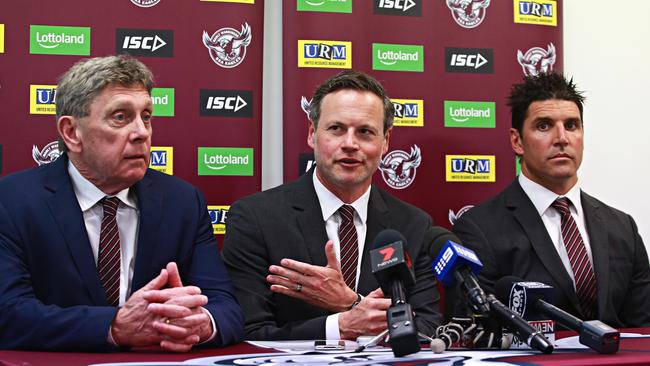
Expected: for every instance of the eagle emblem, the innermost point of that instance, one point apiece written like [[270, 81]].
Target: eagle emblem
[[227, 46], [398, 168]]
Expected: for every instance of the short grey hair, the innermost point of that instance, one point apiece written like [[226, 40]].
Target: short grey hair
[[81, 84]]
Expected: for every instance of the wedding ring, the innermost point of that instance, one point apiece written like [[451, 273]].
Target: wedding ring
[[298, 287]]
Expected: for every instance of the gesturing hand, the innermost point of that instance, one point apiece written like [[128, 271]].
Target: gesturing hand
[[367, 318], [323, 287]]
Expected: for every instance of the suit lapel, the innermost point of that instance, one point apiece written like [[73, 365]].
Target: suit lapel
[[599, 248], [378, 219], [65, 211], [309, 218], [526, 215], [150, 206]]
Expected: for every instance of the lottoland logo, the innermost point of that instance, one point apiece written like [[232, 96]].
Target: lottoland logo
[[397, 57], [325, 6], [470, 114], [409, 112], [163, 102], [236, 161], [162, 159], [55, 40]]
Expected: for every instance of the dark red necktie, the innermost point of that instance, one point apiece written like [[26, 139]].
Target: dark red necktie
[[108, 261], [349, 246], [583, 272]]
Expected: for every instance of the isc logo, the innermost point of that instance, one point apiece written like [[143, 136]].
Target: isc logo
[[324, 51], [143, 43], [226, 103], [158, 158], [474, 61], [402, 5], [406, 110], [470, 166]]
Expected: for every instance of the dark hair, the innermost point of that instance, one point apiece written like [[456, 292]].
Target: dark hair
[[543, 86], [86, 79], [351, 79]]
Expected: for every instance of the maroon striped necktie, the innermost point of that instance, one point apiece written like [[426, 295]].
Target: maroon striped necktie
[[108, 261], [583, 272], [349, 246]]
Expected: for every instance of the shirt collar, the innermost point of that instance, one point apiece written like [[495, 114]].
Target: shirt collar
[[542, 197], [88, 194], [329, 203]]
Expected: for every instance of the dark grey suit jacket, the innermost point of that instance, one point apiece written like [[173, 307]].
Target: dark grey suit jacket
[[286, 222], [509, 237]]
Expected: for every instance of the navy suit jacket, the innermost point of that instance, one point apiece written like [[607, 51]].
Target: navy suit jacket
[[51, 297], [510, 238]]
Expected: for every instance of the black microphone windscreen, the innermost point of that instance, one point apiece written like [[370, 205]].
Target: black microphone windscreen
[[503, 287], [438, 236], [388, 236]]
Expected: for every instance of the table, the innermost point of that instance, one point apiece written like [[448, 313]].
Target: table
[[632, 351]]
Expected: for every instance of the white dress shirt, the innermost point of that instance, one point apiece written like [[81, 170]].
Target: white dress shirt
[[330, 204], [542, 199], [128, 215]]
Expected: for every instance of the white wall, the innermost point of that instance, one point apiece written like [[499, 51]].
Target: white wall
[[607, 51]]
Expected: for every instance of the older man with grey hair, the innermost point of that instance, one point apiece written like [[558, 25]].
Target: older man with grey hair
[[98, 251]]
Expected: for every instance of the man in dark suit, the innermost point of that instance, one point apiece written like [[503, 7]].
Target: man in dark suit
[[544, 228], [96, 250], [299, 253]]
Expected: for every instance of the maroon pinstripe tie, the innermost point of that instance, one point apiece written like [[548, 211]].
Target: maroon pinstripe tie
[[108, 262], [349, 246], [583, 272]]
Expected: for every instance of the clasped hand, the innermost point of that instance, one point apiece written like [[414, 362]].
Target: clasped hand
[[171, 317]]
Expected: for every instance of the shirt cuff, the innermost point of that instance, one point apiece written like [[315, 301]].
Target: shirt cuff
[[332, 327], [214, 326]]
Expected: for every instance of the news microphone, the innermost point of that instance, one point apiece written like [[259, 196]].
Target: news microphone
[[455, 263], [519, 326], [530, 299], [391, 266]]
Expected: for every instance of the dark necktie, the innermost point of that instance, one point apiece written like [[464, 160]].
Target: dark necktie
[[583, 272], [349, 246], [108, 261]]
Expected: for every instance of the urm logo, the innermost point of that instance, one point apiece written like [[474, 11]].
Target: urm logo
[[158, 158], [472, 166]]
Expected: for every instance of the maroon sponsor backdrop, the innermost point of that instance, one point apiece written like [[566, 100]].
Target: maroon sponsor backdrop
[[188, 71], [435, 30]]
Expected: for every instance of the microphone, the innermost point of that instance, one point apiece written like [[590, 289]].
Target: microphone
[[519, 326], [455, 263], [391, 266], [530, 299]]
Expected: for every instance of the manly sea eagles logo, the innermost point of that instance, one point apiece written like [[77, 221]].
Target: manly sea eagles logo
[[227, 46], [398, 168], [49, 153], [537, 60], [304, 104], [145, 3], [454, 216], [468, 13]]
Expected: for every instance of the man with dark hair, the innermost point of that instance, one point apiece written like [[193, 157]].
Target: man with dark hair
[[298, 254], [98, 251], [544, 228]]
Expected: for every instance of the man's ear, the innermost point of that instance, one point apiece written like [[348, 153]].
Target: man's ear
[[311, 136], [387, 142], [68, 129], [516, 142]]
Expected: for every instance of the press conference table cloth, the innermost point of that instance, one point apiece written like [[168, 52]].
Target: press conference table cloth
[[633, 351]]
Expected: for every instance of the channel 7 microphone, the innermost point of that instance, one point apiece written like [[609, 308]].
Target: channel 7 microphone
[[529, 299], [391, 266], [454, 262]]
